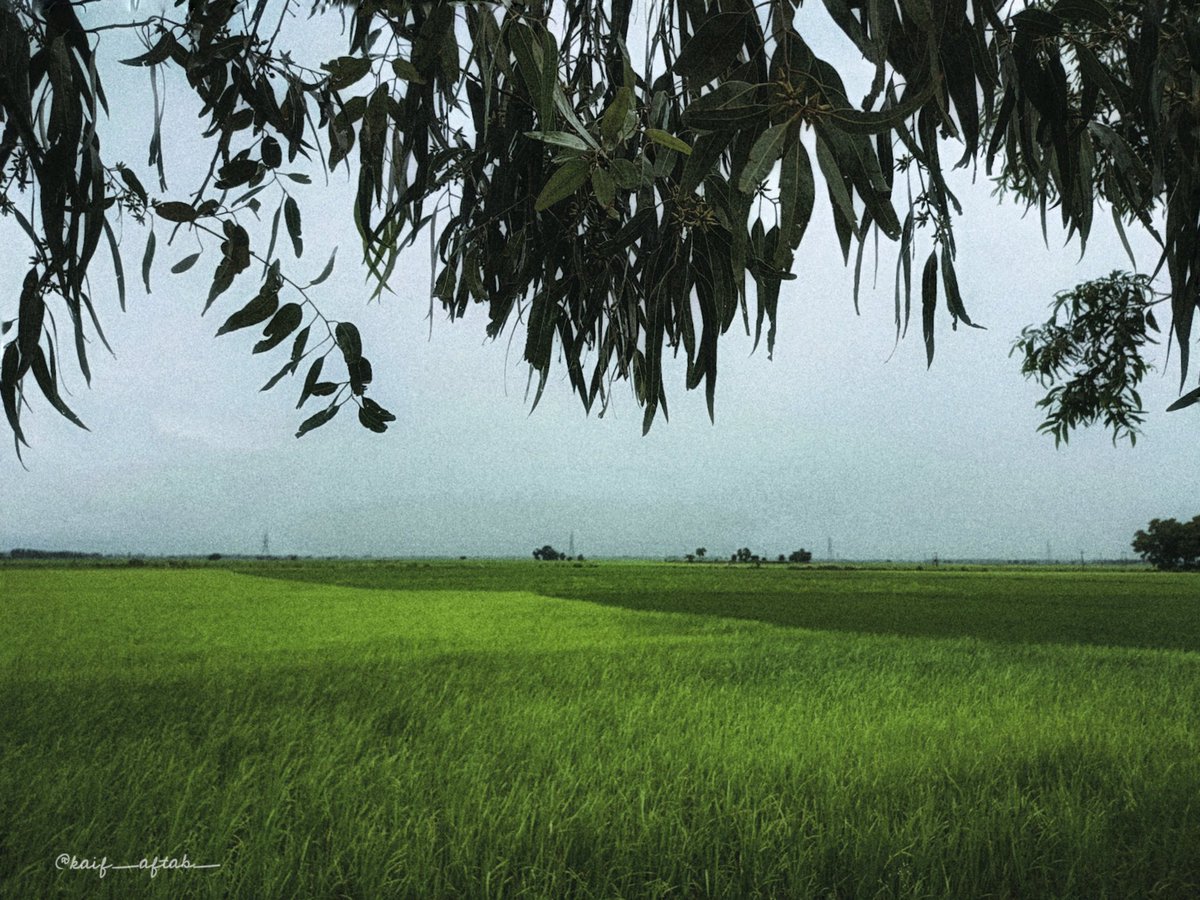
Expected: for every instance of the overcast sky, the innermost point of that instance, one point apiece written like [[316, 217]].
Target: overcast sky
[[837, 438]]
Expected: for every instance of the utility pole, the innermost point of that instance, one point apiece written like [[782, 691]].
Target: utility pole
[[571, 547], [829, 549], [266, 548]]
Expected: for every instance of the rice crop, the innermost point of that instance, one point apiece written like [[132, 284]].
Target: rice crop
[[519, 729]]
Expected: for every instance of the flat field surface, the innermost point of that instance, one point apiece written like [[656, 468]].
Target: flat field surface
[[491, 729]]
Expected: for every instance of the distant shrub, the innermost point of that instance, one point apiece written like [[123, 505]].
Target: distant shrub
[[213, 557], [1170, 544], [136, 562]]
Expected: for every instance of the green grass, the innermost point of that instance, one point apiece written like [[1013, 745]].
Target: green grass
[[546, 730], [1049, 605]]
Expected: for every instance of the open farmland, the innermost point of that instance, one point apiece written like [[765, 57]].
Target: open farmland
[[605, 730]]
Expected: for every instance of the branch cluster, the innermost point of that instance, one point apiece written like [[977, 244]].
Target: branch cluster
[[620, 209]]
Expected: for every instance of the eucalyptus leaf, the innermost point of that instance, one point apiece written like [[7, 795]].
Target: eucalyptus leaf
[[565, 181], [732, 105], [612, 123], [317, 420], [184, 264], [406, 70], [311, 380], [929, 304], [663, 139], [1185, 401], [175, 211], [259, 309], [763, 155], [603, 187], [286, 320], [291, 217], [348, 340], [148, 259], [560, 139], [713, 48], [325, 272], [346, 71]]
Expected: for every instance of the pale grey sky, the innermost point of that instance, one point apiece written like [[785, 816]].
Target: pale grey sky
[[837, 437]]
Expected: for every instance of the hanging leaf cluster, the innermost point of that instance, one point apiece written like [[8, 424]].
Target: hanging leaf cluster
[[258, 105], [617, 194], [1090, 356]]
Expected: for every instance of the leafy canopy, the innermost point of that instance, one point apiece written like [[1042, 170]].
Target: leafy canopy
[[622, 192], [1170, 544]]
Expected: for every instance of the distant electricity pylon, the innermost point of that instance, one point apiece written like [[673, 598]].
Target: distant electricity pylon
[[829, 548], [571, 548], [266, 551]]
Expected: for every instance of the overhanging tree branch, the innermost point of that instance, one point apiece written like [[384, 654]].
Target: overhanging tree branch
[[613, 198]]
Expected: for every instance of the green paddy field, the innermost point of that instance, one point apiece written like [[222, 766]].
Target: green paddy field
[[522, 729]]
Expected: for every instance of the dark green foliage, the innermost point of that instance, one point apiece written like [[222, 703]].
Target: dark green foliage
[[622, 208], [1170, 544]]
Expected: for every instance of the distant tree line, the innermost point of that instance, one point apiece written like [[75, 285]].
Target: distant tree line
[[746, 555], [25, 553], [1170, 544]]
